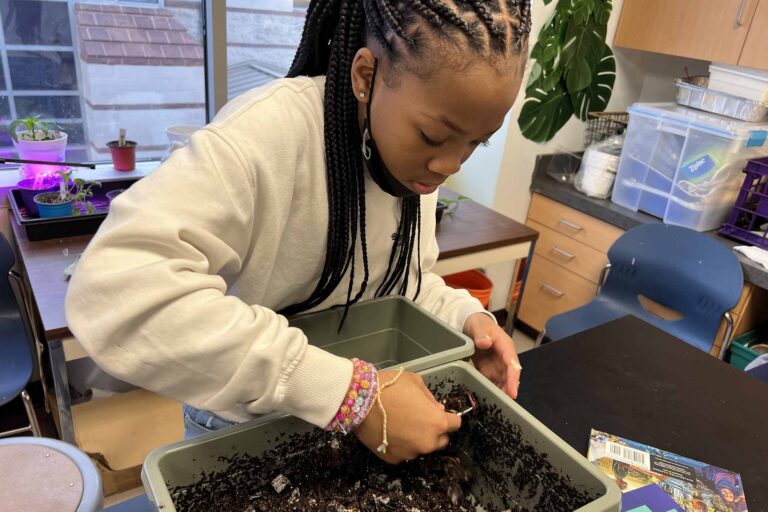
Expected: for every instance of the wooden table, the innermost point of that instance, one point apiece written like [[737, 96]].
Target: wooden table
[[474, 236], [630, 379]]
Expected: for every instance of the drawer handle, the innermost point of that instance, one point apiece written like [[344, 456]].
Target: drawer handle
[[568, 256], [571, 225], [552, 290], [740, 15]]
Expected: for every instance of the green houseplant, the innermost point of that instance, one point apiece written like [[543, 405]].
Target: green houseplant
[[35, 129], [69, 200], [36, 139], [448, 206], [573, 69]]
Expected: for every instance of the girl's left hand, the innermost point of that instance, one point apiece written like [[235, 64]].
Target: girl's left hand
[[495, 353]]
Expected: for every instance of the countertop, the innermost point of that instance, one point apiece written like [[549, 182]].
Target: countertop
[[614, 214]]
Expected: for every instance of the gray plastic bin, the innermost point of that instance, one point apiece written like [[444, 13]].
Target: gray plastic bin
[[387, 332], [182, 463]]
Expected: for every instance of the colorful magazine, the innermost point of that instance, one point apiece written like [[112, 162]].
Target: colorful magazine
[[694, 486]]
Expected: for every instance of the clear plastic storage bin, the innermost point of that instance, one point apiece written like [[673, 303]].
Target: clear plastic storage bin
[[684, 166]]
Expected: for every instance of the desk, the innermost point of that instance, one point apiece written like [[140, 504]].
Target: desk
[[633, 380], [475, 236]]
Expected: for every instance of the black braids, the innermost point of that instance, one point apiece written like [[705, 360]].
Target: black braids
[[334, 31], [384, 288], [519, 16], [355, 187], [314, 48], [376, 25], [428, 14], [448, 15], [409, 251], [394, 19], [366, 270], [445, 13], [498, 37], [418, 250], [342, 161]]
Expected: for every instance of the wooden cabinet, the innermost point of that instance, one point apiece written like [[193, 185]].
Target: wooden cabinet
[[552, 290], [751, 311], [726, 31], [569, 256], [755, 54]]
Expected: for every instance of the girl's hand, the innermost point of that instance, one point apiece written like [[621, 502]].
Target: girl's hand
[[495, 353], [417, 424]]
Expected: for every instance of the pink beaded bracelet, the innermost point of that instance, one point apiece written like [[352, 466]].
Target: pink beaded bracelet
[[359, 398]]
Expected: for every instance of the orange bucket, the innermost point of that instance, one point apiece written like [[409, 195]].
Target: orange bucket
[[475, 282]]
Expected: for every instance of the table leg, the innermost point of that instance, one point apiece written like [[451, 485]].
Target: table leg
[[513, 309], [61, 387]]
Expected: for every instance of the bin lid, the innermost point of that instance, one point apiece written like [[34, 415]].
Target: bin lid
[[756, 134]]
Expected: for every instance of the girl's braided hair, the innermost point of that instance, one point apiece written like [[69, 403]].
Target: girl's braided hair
[[334, 31]]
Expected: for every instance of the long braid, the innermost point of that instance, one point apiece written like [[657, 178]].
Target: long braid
[[334, 31]]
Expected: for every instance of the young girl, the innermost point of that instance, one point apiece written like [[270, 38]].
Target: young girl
[[313, 191]]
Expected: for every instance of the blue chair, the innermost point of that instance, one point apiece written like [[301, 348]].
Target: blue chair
[[138, 504], [678, 268], [16, 354]]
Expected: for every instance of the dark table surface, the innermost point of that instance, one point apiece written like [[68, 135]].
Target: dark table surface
[[614, 214], [630, 379]]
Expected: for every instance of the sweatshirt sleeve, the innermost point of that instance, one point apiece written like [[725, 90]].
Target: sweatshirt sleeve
[[149, 301], [451, 305]]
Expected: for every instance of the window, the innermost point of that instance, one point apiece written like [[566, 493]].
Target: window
[[95, 66], [262, 38]]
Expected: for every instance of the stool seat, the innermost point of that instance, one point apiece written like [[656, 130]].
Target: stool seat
[[47, 475]]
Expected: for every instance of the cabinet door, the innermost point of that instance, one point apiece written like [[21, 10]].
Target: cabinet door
[[755, 54], [713, 30]]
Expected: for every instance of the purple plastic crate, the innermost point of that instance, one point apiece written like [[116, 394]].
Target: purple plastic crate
[[749, 219]]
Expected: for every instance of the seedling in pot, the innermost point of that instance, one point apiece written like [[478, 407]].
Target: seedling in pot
[[451, 205], [75, 191], [36, 130]]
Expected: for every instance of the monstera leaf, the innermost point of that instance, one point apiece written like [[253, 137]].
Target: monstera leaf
[[573, 72], [595, 97], [544, 112], [581, 52]]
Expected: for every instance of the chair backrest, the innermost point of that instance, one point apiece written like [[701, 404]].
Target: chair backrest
[[8, 303], [689, 272], [16, 363]]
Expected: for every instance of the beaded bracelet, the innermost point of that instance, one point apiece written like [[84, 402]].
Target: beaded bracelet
[[359, 398]]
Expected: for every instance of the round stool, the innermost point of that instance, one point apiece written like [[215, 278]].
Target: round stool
[[46, 475]]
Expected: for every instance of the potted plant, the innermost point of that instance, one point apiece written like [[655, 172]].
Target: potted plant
[[69, 199], [38, 140], [123, 152], [448, 206]]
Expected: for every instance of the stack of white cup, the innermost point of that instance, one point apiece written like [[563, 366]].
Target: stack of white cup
[[597, 173]]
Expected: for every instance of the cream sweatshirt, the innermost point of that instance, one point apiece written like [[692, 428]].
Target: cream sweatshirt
[[178, 290]]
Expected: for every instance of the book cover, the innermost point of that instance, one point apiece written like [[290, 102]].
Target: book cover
[[650, 498], [694, 486]]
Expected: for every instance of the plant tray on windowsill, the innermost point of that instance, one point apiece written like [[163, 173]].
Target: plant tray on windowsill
[[83, 224]]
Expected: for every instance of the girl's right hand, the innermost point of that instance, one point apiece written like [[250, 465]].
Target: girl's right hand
[[417, 424]]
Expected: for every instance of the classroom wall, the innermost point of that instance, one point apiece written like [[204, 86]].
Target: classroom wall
[[499, 176]]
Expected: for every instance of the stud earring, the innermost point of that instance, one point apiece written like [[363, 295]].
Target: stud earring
[[362, 94]]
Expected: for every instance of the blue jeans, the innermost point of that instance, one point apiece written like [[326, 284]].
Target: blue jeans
[[198, 422]]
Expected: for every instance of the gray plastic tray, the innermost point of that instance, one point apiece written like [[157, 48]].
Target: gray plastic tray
[[182, 463], [388, 332]]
